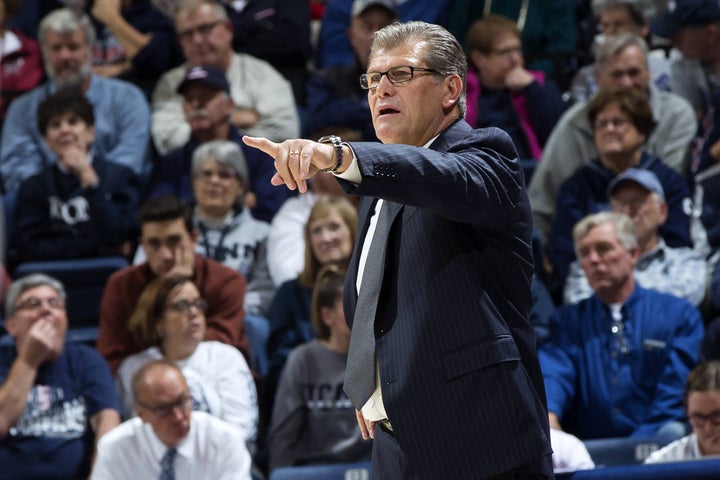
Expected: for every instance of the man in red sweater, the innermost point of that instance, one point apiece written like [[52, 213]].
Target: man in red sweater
[[168, 239]]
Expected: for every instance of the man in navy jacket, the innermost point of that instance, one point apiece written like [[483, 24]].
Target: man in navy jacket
[[459, 391]]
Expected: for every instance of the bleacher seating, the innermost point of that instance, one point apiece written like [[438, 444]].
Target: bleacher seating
[[608, 452], [706, 469], [343, 471], [257, 331], [84, 280]]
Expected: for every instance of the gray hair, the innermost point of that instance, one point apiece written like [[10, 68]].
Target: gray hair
[[227, 154], [65, 21], [191, 6], [614, 44], [623, 225], [28, 282], [440, 49], [643, 10]]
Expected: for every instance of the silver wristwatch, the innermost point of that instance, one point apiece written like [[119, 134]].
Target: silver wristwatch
[[337, 144]]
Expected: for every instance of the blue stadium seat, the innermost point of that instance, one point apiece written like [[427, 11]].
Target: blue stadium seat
[[343, 471], [8, 205], [706, 469], [609, 452], [84, 281], [257, 331]]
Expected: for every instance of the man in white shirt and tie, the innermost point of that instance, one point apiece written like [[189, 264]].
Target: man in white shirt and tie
[[167, 441]]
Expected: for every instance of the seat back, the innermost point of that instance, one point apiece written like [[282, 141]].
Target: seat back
[[84, 280], [8, 225], [257, 331], [342, 471], [706, 469], [609, 452]]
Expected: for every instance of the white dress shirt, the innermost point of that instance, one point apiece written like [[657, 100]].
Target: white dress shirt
[[212, 449], [374, 408], [219, 380]]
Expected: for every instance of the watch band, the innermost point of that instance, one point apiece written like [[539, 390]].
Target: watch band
[[337, 145]]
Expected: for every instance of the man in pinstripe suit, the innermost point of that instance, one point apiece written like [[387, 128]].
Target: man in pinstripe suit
[[459, 392]]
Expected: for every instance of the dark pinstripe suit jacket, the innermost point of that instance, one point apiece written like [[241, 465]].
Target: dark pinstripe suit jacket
[[460, 376]]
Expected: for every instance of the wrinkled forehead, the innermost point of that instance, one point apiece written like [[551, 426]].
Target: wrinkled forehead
[[40, 291], [406, 54]]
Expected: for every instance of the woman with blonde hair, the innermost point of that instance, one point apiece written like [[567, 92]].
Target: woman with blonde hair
[[329, 238]]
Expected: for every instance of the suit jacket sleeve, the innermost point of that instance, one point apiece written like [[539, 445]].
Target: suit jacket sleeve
[[475, 181]]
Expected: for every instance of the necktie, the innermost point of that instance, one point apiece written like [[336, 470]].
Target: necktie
[[360, 369], [166, 464]]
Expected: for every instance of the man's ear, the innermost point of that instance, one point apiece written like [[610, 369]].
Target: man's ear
[[453, 90], [663, 207], [91, 134], [11, 325], [140, 413]]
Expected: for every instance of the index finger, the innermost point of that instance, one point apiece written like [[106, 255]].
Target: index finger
[[262, 144]]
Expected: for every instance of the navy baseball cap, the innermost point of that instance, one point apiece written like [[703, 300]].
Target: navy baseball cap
[[645, 178], [359, 6], [209, 76], [685, 13]]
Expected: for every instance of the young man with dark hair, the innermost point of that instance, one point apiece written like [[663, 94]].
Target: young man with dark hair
[[168, 238]]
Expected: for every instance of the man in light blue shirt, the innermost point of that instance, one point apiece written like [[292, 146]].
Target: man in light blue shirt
[[122, 115], [680, 271]]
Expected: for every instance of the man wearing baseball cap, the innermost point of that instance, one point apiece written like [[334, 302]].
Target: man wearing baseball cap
[[679, 271], [336, 104], [208, 109], [693, 26]]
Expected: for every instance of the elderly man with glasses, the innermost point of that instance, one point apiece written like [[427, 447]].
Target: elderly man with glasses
[[167, 440], [56, 399], [615, 363]]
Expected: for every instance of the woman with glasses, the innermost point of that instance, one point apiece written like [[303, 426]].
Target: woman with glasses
[[227, 231], [170, 320], [702, 406], [621, 121], [502, 93]]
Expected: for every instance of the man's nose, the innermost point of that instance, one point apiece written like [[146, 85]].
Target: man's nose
[[626, 81], [384, 86], [166, 252]]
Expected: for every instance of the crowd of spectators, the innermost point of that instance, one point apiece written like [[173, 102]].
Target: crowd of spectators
[[121, 125]]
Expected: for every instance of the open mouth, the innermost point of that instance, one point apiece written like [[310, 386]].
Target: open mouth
[[387, 111]]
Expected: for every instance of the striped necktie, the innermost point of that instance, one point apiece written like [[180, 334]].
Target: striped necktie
[[360, 369], [166, 464]]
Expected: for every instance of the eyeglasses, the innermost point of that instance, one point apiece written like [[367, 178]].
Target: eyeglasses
[[203, 30], [698, 420], [630, 206], [507, 52], [36, 303], [616, 123], [396, 76], [207, 175], [185, 306], [183, 404]]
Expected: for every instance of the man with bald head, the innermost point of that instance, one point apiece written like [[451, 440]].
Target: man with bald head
[[167, 440]]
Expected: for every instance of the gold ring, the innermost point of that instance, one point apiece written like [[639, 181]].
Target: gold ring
[[294, 152]]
